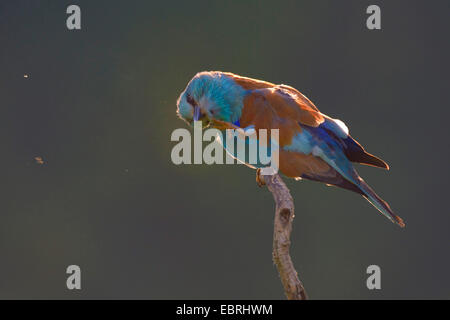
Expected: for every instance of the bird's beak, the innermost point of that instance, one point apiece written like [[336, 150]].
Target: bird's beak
[[197, 113], [200, 116]]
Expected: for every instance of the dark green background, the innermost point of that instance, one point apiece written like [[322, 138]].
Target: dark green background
[[99, 107]]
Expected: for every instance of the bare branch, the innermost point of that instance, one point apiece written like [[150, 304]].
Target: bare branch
[[284, 215]]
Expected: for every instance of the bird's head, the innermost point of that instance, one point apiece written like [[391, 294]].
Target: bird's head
[[211, 96]]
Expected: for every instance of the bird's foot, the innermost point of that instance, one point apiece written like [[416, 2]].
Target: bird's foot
[[259, 179]]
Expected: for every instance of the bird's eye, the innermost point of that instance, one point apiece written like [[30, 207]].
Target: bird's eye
[[190, 100]]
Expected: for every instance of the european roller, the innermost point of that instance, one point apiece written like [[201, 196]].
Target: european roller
[[312, 145]]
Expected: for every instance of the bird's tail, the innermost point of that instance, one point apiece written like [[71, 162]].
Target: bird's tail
[[379, 203]]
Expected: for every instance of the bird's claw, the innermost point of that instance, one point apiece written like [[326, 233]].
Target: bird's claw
[[259, 179]]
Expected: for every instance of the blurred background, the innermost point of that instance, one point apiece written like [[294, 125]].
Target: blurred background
[[87, 179]]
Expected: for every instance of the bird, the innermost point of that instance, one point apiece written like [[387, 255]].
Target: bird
[[312, 145]]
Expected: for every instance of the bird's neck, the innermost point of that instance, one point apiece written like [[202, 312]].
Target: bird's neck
[[230, 97]]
